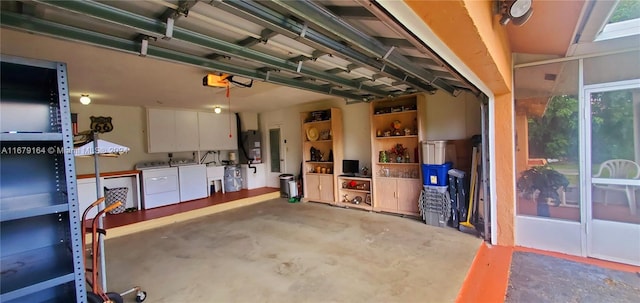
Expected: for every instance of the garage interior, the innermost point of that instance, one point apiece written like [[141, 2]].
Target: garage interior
[[285, 58]]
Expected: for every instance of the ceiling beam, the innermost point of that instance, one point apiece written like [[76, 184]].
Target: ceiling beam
[[49, 28], [335, 71], [257, 13], [153, 27], [182, 10], [265, 35], [248, 42], [394, 42], [351, 12], [423, 60], [313, 14]]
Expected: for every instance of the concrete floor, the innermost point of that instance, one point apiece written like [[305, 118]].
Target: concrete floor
[[540, 278], [281, 252]]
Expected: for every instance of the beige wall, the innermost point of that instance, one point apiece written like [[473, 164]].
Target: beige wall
[[444, 117], [452, 118], [356, 133], [249, 121], [129, 129]]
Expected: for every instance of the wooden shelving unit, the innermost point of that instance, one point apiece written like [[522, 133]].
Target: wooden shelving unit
[[322, 132], [396, 181], [347, 193]]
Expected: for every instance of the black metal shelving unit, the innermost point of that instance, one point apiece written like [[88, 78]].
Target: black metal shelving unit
[[41, 250]]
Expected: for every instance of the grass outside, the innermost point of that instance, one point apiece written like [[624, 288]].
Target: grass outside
[[572, 171]]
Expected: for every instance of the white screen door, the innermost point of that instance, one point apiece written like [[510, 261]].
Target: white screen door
[[612, 116]]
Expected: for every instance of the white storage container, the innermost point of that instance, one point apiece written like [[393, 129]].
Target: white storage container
[[437, 152]]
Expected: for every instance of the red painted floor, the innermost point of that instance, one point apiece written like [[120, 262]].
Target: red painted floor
[[217, 198], [488, 276]]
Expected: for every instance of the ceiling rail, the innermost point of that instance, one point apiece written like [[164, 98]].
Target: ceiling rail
[[157, 28], [49, 28], [374, 8], [261, 15], [321, 18]]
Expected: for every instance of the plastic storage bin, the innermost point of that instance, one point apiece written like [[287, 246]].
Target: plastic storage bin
[[433, 174], [438, 152], [435, 206], [434, 152]]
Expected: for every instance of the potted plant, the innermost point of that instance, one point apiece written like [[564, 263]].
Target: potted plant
[[545, 182], [399, 151]]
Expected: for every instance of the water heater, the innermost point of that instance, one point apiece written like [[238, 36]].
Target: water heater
[[251, 144]]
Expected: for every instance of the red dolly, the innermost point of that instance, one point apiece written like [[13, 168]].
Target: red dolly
[[97, 294]]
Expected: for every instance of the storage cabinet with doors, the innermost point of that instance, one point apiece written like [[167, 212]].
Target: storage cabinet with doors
[[397, 195], [395, 126], [320, 188], [214, 129], [322, 154], [41, 250], [355, 192], [171, 130]]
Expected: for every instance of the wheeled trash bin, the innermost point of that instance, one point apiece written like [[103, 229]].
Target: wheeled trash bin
[[285, 192]]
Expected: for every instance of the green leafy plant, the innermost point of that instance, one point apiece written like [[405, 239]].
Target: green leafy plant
[[398, 150], [545, 181]]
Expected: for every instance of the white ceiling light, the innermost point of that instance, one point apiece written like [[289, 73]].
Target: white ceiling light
[[517, 11], [217, 110], [84, 99], [519, 8]]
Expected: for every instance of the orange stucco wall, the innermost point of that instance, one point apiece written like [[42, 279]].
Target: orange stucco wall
[[505, 180], [473, 33]]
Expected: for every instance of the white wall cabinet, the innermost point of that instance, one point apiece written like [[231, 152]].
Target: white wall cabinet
[[171, 130], [186, 130], [214, 131]]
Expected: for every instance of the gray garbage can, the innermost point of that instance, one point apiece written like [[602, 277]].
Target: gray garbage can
[[284, 185]]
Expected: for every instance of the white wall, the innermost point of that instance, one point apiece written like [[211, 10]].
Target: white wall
[[444, 118], [129, 129], [356, 126], [447, 118], [248, 121], [452, 118]]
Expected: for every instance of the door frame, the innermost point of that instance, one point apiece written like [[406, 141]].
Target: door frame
[[273, 178], [587, 220]]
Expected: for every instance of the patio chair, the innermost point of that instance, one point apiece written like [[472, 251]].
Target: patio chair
[[619, 169]]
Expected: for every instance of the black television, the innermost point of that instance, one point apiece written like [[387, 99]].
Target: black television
[[350, 167]]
